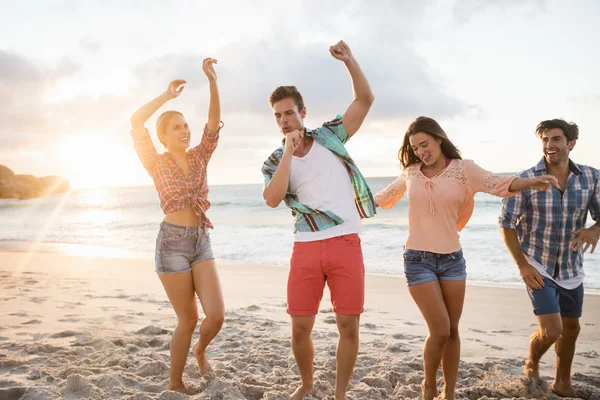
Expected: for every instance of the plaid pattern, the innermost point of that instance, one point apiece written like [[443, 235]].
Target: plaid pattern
[[175, 190], [332, 136], [544, 220]]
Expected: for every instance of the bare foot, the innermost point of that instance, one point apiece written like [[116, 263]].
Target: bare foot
[[563, 389], [203, 364], [429, 392], [302, 391], [531, 369], [181, 389], [447, 396]]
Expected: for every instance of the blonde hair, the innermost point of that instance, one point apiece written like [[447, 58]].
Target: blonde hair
[[162, 121]]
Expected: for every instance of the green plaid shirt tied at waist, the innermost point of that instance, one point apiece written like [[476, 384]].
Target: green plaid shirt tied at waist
[[332, 136]]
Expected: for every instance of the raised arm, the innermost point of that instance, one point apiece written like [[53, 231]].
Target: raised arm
[[139, 118], [363, 96], [214, 107]]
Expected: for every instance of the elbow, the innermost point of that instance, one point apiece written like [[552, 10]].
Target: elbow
[[271, 202], [370, 99]]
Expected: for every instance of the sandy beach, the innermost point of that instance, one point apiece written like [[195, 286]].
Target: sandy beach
[[77, 327]]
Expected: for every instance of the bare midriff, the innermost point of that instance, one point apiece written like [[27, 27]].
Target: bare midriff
[[184, 217]]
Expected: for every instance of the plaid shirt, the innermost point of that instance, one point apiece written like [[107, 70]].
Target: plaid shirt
[[175, 190], [544, 220], [332, 136]]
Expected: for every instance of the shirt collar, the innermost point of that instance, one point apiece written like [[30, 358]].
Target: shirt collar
[[541, 166]]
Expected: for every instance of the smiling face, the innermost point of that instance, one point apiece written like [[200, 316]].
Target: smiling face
[[427, 147], [176, 134], [287, 115], [556, 146]]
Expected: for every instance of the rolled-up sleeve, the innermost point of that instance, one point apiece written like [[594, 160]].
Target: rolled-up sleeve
[[145, 148], [512, 211]]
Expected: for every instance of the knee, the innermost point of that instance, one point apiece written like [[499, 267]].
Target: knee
[[216, 319], [440, 333], [188, 323], [300, 332], [349, 331], [453, 333], [571, 330], [551, 334]]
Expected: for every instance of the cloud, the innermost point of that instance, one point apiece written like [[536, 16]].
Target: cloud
[[465, 10], [400, 79], [23, 85]]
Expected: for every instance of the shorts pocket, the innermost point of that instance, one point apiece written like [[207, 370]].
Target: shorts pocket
[[457, 255], [351, 240], [413, 256]]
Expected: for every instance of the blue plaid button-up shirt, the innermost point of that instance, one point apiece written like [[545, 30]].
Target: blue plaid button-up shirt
[[544, 220], [332, 136]]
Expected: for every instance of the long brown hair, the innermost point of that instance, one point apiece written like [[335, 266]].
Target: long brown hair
[[428, 125]]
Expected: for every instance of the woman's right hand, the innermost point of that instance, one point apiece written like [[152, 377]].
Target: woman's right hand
[[175, 88]]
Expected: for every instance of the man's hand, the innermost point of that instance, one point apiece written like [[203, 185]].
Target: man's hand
[[543, 183], [585, 236], [341, 51], [209, 70], [292, 141], [531, 276], [175, 88]]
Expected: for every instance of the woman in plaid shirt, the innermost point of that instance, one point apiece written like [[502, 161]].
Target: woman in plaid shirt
[[184, 259]]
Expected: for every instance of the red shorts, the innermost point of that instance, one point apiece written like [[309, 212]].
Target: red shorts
[[337, 261]]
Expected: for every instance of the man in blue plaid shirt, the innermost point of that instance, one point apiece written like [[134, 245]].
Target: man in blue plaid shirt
[[317, 179], [546, 234]]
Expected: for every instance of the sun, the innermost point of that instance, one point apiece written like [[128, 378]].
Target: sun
[[92, 160]]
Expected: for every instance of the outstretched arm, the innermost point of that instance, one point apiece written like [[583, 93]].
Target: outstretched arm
[[363, 96], [139, 118], [214, 107]]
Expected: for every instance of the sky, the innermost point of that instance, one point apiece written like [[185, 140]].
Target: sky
[[73, 72]]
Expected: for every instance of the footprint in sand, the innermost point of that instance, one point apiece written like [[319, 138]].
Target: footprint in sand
[[18, 314], [253, 307], [370, 326], [329, 320]]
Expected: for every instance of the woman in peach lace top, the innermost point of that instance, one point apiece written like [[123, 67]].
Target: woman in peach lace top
[[440, 186]]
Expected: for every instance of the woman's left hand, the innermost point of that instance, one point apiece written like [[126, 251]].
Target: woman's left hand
[[209, 70], [544, 182]]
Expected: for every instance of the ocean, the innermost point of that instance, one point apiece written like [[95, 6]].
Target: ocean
[[246, 229]]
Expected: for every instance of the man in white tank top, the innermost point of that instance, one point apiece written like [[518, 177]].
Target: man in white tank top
[[317, 179]]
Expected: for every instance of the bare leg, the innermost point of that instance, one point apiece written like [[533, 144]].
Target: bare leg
[[180, 290], [550, 328], [454, 298], [430, 301], [208, 289], [565, 350], [304, 353], [347, 350]]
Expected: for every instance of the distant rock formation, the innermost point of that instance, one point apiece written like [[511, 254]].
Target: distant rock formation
[[28, 186]]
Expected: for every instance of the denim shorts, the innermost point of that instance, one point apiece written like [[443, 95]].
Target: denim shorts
[[553, 299], [424, 266], [179, 247]]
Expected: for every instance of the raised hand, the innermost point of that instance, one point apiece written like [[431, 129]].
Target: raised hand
[[544, 183], [584, 236], [292, 141], [175, 88], [209, 70], [340, 51]]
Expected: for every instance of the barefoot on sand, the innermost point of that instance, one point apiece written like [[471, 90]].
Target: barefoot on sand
[[429, 393], [563, 390], [301, 392], [531, 369], [181, 389], [203, 364]]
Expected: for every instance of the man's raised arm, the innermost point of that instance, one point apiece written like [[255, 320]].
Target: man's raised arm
[[363, 96]]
